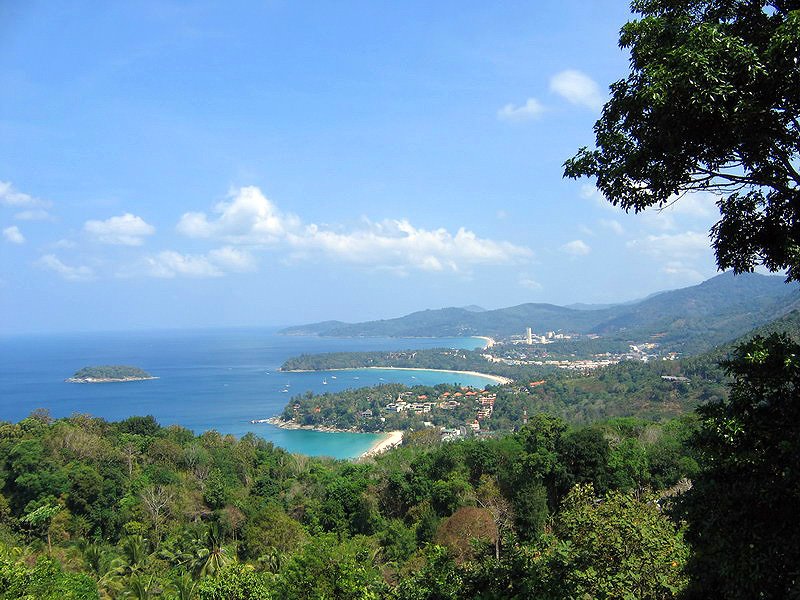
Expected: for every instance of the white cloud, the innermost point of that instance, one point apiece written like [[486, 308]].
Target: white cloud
[[169, 264], [613, 225], [683, 272], [577, 88], [34, 208], [124, 230], [397, 243], [689, 244], [52, 263], [590, 192], [13, 235], [576, 248], [530, 110], [528, 282], [698, 204], [11, 197], [35, 214], [232, 259], [249, 218]]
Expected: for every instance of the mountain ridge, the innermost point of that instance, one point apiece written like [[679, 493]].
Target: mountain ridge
[[692, 318]]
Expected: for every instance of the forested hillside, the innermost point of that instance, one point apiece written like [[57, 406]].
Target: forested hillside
[[130, 509]]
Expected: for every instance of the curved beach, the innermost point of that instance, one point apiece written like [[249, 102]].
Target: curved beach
[[489, 341], [392, 439], [499, 379]]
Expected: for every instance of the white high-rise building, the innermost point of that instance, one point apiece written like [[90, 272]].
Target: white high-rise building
[[528, 336]]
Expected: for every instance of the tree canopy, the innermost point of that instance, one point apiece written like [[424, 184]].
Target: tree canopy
[[711, 104]]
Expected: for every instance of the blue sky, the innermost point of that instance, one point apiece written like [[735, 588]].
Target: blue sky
[[196, 164]]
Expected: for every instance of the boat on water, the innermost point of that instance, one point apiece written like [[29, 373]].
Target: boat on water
[[324, 382], [254, 421]]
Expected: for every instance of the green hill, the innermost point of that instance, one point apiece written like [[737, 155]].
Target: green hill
[[689, 320]]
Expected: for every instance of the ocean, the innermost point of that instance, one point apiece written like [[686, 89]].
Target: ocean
[[208, 379]]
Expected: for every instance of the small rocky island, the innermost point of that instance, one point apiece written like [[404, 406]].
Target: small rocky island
[[109, 374]]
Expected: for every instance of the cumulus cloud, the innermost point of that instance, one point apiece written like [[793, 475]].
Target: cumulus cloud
[[249, 218], [51, 262], [232, 259], [124, 230], [170, 264], [698, 204], [612, 225], [590, 192], [35, 214], [683, 272], [688, 244], [576, 248], [13, 235], [528, 282], [397, 243], [32, 208], [530, 110], [577, 88]]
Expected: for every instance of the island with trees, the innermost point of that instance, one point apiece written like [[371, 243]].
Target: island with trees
[[109, 374]]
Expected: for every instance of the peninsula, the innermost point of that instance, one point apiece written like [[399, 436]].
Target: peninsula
[[109, 374]]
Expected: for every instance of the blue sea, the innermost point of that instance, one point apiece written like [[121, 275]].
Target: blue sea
[[208, 379]]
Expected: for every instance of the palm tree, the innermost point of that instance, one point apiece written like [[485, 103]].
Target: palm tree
[[139, 588], [213, 556], [134, 555], [184, 587], [104, 566]]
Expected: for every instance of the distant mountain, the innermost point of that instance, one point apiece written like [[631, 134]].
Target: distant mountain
[[313, 328], [691, 319], [708, 314], [474, 308]]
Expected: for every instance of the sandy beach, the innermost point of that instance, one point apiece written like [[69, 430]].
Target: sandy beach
[[499, 379], [496, 378], [489, 341], [392, 439]]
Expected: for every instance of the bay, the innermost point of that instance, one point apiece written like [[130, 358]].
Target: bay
[[217, 379]]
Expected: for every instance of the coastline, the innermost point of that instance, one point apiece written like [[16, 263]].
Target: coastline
[[392, 440], [498, 379], [489, 341], [388, 440], [108, 380], [278, 422]]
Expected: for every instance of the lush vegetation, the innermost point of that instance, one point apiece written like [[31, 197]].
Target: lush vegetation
[[130, 509], [434, 358], [711, 103], [657, 390], [92, 509], [121, 372]]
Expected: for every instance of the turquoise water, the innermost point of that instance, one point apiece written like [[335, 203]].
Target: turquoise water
[[208, 379]]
